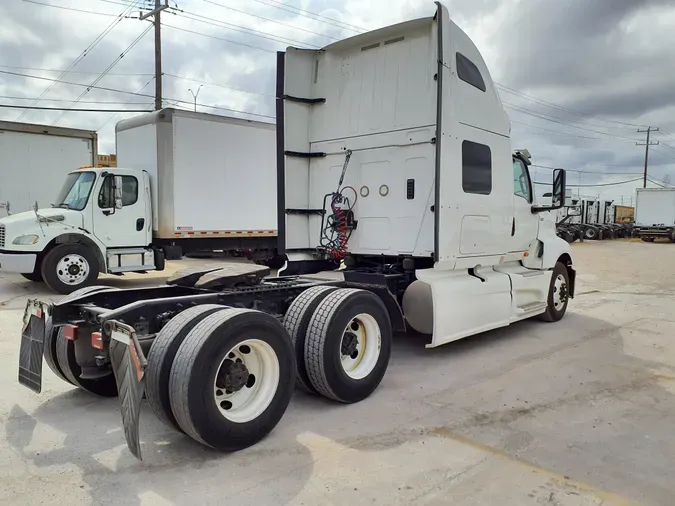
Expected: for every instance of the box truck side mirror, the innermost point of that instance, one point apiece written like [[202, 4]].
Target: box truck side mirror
[[558, 194], [118, 192]]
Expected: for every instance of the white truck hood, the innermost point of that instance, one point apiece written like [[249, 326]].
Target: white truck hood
[[46, 224]]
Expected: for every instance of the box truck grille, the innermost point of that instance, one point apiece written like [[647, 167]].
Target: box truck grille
[[2, 236]]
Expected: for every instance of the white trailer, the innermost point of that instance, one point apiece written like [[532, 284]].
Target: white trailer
[[184, 182], [400, 206], [35, 159], [655, 213]]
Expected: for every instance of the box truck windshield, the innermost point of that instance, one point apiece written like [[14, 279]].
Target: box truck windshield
[[75, 191]]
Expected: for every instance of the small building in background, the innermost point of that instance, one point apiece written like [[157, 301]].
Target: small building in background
[[106, 161]]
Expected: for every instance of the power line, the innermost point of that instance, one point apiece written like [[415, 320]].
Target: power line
[[71, 101], [72, 9], [110, 118], [589, 171], [219, 85], [77, 60], [271, 20], [71, 71], [103, 74], [562, 108], [308, 14], [39, 108], [238, 28], [592, 185], [558, 132], [541, 116], [219, 38], [132, 93]]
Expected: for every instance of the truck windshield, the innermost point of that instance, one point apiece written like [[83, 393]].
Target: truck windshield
[[75, 191]]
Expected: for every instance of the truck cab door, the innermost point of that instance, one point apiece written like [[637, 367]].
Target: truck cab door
[[126, 225], [525, 224]]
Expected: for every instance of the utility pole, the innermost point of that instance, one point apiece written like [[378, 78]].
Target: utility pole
[[195, 95], [158, 48], [646, 145]]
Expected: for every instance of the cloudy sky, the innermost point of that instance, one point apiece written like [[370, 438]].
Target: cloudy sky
[[578, 77]]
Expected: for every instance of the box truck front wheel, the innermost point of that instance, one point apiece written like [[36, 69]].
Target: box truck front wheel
[[348, 345], [232, 378], [35, 276], [68, 267]]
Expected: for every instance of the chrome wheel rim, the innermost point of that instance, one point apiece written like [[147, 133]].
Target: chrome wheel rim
[[360, 346], [559, 292], [246, 381], [72, 269]]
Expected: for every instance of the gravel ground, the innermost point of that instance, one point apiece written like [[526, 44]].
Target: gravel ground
[[574, 413]]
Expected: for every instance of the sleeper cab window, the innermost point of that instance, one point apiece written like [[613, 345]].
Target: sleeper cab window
[[468, 72], [476, 168]]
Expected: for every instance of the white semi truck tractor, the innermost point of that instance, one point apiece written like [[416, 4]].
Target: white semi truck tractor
[[183, 183], [400, 206]]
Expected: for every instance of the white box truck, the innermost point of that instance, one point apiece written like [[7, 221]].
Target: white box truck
[[34, 159], [184, 182], [401, 206], [655, 213]]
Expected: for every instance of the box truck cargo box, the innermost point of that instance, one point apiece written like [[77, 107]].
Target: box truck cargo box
[[34, 160], [209, 175]]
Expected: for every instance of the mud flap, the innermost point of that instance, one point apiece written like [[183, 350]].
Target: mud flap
[[32, 344], [128, 363]]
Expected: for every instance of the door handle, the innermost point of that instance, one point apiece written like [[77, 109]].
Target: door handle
[[139, 224], [513, 227]]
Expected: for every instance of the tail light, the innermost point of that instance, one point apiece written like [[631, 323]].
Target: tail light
[[70, 332], [97, 340]]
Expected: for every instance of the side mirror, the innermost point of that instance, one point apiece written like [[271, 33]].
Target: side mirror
[[558, 194], [117, 192]]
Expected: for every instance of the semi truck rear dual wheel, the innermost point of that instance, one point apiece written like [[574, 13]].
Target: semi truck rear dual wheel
[[67, 267], [231, 377], [65, 355], [161, 357], [348, 345], [296, 320]]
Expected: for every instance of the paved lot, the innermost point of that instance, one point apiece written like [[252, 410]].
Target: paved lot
[[575, 413]]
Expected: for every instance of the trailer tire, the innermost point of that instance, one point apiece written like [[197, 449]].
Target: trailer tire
[[65, 355], [221, 351], [49, 352], [161, 357], [349, 324], [558, 294], [67, 267], [590, 233], [647, 239], [296, 320]]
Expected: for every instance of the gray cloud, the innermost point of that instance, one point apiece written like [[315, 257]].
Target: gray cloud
[[608, 59]]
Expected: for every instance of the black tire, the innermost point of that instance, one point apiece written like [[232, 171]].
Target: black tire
[[49, 351], [323, 353], [590, 233], [161, 356], [51, 333], [65, 355], [35, 276], [296, 320], [197, 364], [62, 251], [552, 314], [647, 239]]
